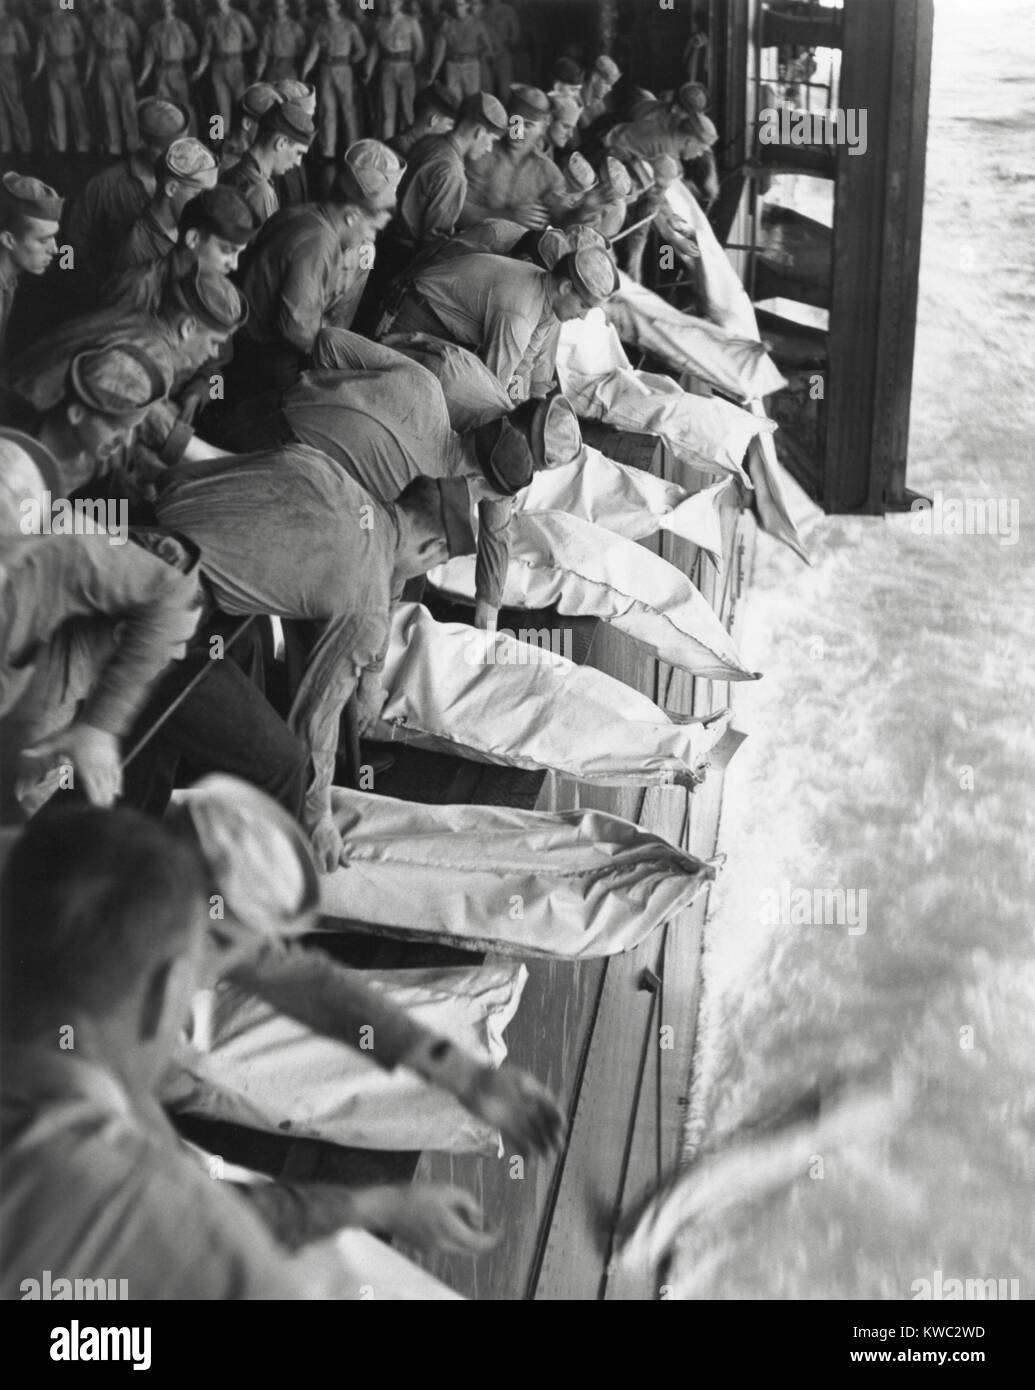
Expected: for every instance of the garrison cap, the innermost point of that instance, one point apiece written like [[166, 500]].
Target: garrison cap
[[693, 97], [579, 174], [701, 127], [288, 118], [30, 197], [371, 174], [641, 174], [582, 237], [437, 97], [592, 272], [256, 100], [120, 379], [189, 162], [483, 109], [259, 859], [568, 72], [551, 428], [639, 102], [210, 298], [27, 471], [221, 212], [666, 168], [504, 455], [607, 67], [553, 245], [564, 108], [550, 246], [291, 89], [529, 103], [162, 121], [615, 178]]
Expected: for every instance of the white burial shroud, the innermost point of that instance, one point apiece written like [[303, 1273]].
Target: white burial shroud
[[702, 431], [560, 560], [738, 365], [726, 300], [263, 1070], [497, 700], [567, 884], [629, 501], [729, 308]]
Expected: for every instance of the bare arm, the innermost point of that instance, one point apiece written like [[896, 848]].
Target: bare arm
[[438, 56], [418, 42], [309, 62], [359, 47], [149, 60], [264, 53], [373, 54], [206, 50], [248, 38]]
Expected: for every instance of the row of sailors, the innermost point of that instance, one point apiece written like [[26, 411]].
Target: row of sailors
[[335, 437], [150, 355], [466, 165], [469, 50]]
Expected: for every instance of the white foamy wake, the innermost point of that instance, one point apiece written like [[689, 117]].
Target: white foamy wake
[[892, 753]]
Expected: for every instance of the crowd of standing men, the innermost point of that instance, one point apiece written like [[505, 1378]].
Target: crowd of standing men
[[245, 304]]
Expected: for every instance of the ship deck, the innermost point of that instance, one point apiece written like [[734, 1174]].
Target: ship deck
[[590, 1030]]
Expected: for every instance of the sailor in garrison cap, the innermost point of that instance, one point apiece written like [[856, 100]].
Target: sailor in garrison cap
[[435, 113], [111, 202], [564, 120], [398, 44], [663, 127], [100, 403], [169, 46], [281, 46], [254, 102], [114, 40], [61, 40], [516, 181], [214, 229], [191, 326], [337, 44], [461, 44], [376, 167], [186, 169], [89, 621], [228, 36], [384, 417], [305, 262], [568, 77], [284, 134], [597, 89], [14, 48], [293, 186], [317, 547], [434, 188], [508, 312], [30, 214]]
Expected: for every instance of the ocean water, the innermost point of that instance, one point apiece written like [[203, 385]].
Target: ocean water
[[876, 1067]]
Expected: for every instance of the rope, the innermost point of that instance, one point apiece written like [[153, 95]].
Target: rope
[[191, 685]]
